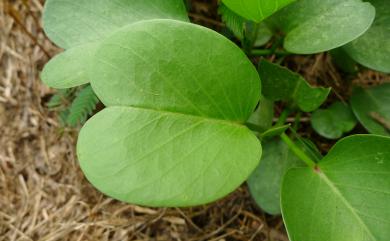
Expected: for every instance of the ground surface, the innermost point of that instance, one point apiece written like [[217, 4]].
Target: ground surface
[[44, 195]]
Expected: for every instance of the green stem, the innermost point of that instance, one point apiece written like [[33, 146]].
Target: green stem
[[266, 52], [297, 151], [283, 117]]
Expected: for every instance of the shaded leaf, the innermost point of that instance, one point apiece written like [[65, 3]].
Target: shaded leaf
[[280, 83], [334, 121], [346, 198], [373, 48], [266, 180], [372, 109]]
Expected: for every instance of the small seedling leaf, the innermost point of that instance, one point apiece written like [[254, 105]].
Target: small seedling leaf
[[280, 83], [333, 122]]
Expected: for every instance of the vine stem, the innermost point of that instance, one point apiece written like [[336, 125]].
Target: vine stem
[[297, 151]]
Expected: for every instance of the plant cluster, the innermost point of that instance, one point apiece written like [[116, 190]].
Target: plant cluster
[[188, 117]]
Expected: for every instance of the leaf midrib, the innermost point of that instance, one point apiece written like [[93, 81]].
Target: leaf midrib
[[338, 193]]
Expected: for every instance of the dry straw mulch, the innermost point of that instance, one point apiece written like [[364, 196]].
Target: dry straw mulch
[[43, 194]]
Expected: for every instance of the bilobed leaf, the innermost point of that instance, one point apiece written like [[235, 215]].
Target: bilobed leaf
[[171, 134], [333, 122], [265, 181], [78, 26], [372, 109], [256, 10], [313, 26], [347, 197], [373, 48], [280, 83]]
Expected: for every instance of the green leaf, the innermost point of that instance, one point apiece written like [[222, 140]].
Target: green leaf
[[256, 10], [266, 180], [274, 131], [263, 115], [143, 73], [333, 122], [264, 34], [313, 26], [280, 83], [346, 198], [372, 109], [79, 26], [171, 135], [82, 106], [343, 61], [69, 68], [373, 48], [233, 21]]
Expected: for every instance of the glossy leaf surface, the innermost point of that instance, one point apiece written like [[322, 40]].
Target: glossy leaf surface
[[334, 121], [280, 83], [373, 48], [171, 134], [346, 198], [256, 10], [78, 27], [372, 109], [313, 26]]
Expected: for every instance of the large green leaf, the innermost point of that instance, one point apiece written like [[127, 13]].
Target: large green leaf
[[334, 121], [313, 26], [371, 107], [265, 181], [171, 135], [347, 197], [78, 26], [256, 10], [280, 83], [373, 48], [145, 68]]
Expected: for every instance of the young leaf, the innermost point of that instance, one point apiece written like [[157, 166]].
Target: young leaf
[[83, 105], [333, 122], [280, 83], [266, 180], [372, 109], [346, 197], [83, 24], [171, 135], [313, 26], [263, 115], [256, 10], [373, 48]]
